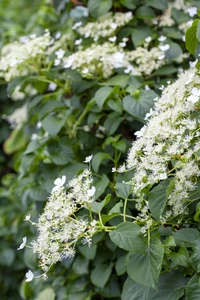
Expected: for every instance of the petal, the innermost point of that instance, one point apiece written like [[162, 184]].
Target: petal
[[92, 191], [57, 181], [29, 276], [63, 179]]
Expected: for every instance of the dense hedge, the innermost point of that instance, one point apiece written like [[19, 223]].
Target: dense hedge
[[80, 88]]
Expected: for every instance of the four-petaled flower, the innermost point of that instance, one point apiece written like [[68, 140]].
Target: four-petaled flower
[[59, 182], [23, 243], [29, 276]]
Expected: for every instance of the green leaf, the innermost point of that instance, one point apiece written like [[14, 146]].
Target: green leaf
[[120, 80], [191, 37], [173, 52], [87, 252], [181, 258], [53, 124], [116, 208], [98, 8], [97, 207], [116, 105], [32, 146], [145, 12], [195, 257], [198, 32], [139, 34], [101, 95], [158, 4], [134, 291], [60, 154], [165, 70], [97, 159], [100, 274], [111, 289], [80, 265], [186, 236], [127, 236], [112, 122], [38, 193], [130, 4], [179, 16], [121, 265], [123, 190], [47, 294], [16, 141], [145, 268], [157, 198], [139, 107], [193, 288]]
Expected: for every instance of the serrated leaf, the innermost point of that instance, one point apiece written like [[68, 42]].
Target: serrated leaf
[[186, 236], [158, 4], [181, 258], [97, 207], [97, 8], [46, 294], [53, 124], [145, 268], [157, 198], [123, 190], [191, 37], [97, 159], [139, 107], [134, 291], [193, 288], [127, 236], [100, 274]]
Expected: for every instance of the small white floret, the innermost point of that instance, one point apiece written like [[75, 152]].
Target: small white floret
[[162, 38], [91, 191], [88, 159], [164, 47], [23, 243], [29, 276]]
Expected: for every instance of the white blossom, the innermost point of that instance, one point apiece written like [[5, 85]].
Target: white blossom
[[88, 158], [24, 240], [29, 276], [59, 182]]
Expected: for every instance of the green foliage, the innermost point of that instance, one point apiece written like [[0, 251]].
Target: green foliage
[[96, 115]]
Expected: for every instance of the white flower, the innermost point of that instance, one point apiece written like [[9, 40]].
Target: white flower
[[118, 58], [112, 39], [39, 125], [91, 191], [192, 11], [52, 86], [162, 38], [193, 63], [161, 87], [76, 25], [27, 218], [88, 159], [29, 276], [58, 35], [23, 243], [164, 47], [195, 92], [122, 44], [59, 182], [193, 98], [113, 25], [114, 170], [85, 70], [147, 88], [78, 42], [60, 53], [34, 136], [148, 39], [57, 62], [69, 62]]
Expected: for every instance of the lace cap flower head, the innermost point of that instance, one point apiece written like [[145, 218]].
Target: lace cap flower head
[[59, 182], [24, 240], [29, 276]]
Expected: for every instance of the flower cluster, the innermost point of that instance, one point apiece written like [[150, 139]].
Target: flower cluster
[[166, 146], [167, 20], [59, 227], [19, 57], [97, 60], [104, 27]]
